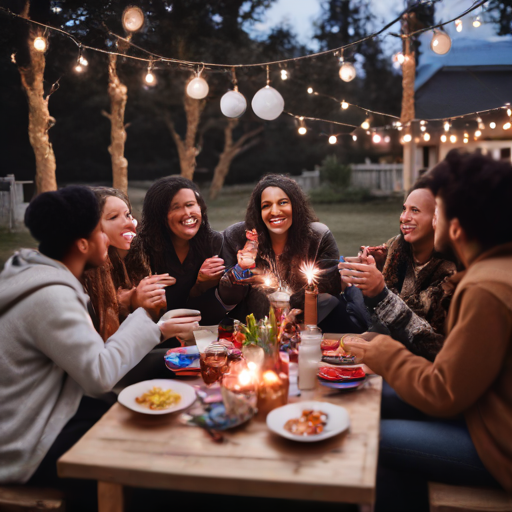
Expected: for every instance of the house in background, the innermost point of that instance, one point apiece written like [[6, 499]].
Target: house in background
[[474, 76]]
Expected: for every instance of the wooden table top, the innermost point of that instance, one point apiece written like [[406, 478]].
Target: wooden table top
[[138, 450]]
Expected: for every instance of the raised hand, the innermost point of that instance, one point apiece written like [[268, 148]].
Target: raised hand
[[365, 276], [150, 293], [181, 326], [211, 269]]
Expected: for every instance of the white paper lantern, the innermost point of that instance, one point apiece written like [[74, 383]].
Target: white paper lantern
[[133, 19], [233, 104], [267, 103], [347, 72], [441, 42], [197, 88]]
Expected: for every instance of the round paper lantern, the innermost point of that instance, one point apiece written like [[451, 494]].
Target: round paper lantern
[[197, 88], [133, 19], [233, 104], [441, 42], [268, 104], [347, 72]]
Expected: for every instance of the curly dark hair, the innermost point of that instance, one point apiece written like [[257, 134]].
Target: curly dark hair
[[478, 191], [300, 233], [153, 243]]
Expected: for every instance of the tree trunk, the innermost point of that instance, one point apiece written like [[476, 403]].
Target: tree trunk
[[231, 150], [118, 93], [39, 119], [187, 148]]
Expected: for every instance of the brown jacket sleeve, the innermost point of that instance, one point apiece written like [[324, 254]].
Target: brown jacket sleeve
[[466, 366]]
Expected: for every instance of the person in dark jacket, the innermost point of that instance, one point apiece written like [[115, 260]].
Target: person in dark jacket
[[175, 237], [289, 236]]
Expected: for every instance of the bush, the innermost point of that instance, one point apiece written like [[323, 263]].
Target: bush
[[329, 195], [334, 172]]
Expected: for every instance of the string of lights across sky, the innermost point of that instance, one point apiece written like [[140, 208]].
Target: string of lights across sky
[[267, 103]]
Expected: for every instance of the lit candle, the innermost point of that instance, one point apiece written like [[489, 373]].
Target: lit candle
[[272, 392], [310, 299]]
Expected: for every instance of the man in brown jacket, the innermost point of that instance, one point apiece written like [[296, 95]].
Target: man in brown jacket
[[469, 385]]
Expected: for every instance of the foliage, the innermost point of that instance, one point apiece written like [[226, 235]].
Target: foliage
[[500, 13], [330, 195], [334, 172]]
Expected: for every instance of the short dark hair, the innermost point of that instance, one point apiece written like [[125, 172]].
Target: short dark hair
[[477, 190], [57, 219]]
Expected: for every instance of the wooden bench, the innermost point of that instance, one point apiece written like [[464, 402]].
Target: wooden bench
[[451, 498], [22, 498]]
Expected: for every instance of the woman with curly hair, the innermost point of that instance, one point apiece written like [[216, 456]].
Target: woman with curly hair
[[175, 237], [289, 235], [404, 282], [113, 295]]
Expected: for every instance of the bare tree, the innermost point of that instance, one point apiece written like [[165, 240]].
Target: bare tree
[[187, 147], [118, 93], [39, 119], [231, 150]]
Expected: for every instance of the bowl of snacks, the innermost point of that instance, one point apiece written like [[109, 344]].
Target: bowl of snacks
[[157, 396], [308, 421]]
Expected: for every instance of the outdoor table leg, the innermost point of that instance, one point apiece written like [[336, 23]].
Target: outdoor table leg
[[110, 497]]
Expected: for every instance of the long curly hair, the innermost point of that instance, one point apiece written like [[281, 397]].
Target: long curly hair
[[102, 283], [153, 243], [300, 233]]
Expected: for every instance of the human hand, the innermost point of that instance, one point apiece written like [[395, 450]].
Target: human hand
[[150, 292], [365, 276], [211, 269], [181, 326]]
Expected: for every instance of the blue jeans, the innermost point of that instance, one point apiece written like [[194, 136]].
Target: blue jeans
[[416, 448]]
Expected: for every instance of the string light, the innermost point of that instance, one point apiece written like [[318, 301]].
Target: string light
[[132, 19], [354, 137], [365, 124], [302, 128], [509, 112], [79, 68], [446, 126], [492, 125], [478, 133], [444, 138], [399, 58], [426, 137], [284, 74], [198, 88], [150, 78], [453, 139], [347, 72], [344, 105], [310, 90], [376, 138], [333, 139], [477, 22], [507, 125], [407, 137], [40, 44], [423, 128], [387, 139], [466, 138], [458, 25], [441, 42]]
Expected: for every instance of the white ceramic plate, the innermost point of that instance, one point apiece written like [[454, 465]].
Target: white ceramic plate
[[128, 395], [337, 420]]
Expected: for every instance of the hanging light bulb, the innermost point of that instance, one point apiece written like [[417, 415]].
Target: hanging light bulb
[[400, 128], [426, 137], [79, 68], [333, 139], [465, 140], [407, 137], [376, 138], [83, 61], [267, 103], [302, 127], [446, 126], [398, 58], [40, 44], [284, 74], [444, 138], [354, 137], [492, 125], [423, 128], [477, 21], [387, 139], [233, 104], [198, 88], [458, 25], [441, 42], [509, 112], [478, 133], [453, 139], [310, 90], [507, 125], [347, 72], [344, 105], [365, 124], [132, 19], [150, 78]]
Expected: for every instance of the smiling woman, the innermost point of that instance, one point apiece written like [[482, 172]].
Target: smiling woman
[[175, 237]]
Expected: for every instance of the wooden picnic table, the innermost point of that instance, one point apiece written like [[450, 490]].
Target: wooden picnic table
[[132, 449]]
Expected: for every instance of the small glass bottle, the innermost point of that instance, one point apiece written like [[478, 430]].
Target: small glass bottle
[[310, 354]]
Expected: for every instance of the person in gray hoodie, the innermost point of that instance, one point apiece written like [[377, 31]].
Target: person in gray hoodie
[[51, 354]]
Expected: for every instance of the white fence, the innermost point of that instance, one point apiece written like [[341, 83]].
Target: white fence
[[12, 205], [382, 177], [308, 180]]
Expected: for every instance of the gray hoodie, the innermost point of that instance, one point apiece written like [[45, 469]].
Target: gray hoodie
[[51, 355]]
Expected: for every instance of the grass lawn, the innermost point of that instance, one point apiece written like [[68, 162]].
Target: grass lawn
[[352, 225]]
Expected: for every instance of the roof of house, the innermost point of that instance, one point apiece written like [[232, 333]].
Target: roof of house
[[475, 75]]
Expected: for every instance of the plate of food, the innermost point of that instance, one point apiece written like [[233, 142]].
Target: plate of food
[[157, 396], [309, 421]]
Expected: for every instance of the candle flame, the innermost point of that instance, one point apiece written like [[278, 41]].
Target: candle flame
[[252, 366], [245, 377], [270, 377], [310, 271]]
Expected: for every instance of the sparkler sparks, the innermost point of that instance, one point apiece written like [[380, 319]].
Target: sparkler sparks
[[310, 271]]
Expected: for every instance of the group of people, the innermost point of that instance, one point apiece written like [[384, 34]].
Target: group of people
[[81, 312]]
